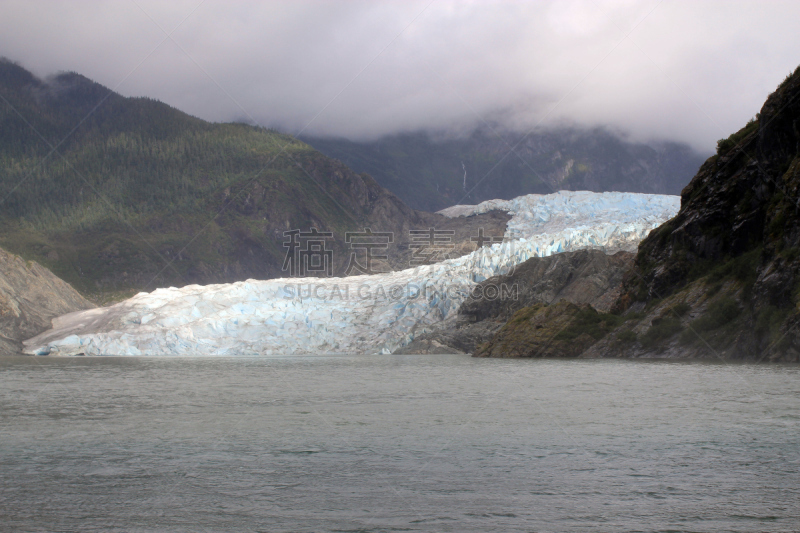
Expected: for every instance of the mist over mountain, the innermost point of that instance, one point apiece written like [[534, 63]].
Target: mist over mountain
[[363, 70], [117, 195], [431, 173]]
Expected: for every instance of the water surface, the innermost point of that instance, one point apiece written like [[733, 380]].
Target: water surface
[[397, 443]]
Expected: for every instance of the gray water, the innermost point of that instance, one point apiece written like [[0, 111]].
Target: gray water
[[397, 443]]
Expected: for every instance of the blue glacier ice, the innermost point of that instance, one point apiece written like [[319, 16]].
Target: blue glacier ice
[[357, 314]]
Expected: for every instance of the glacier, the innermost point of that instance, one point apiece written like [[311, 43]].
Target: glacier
[[358, 314]]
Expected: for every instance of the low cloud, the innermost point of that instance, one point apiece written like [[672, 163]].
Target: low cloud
[[687, 71]]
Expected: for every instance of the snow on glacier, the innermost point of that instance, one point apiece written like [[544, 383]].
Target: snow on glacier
[[358, 314]]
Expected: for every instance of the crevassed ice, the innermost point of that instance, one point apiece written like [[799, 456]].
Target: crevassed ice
[[357, 314]]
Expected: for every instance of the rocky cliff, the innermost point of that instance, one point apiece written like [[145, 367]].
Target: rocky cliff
[[720, 280], [30, 297]]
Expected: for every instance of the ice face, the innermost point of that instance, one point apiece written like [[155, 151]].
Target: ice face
[[357, 314]]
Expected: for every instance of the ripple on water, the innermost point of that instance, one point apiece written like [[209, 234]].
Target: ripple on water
[[397, 443]]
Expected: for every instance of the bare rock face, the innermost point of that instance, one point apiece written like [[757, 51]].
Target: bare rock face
[[583, 278], [30, 297], [730, 260]]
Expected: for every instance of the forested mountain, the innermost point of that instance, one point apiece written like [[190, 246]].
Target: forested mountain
[[117, 195], [431, 174]]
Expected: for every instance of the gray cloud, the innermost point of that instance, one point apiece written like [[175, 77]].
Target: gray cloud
[[690, 71]]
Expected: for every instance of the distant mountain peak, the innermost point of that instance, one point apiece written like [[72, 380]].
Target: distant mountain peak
[[427, 171]]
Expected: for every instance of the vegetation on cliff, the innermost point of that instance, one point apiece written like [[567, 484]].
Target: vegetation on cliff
[[562, 329], [732, 254]]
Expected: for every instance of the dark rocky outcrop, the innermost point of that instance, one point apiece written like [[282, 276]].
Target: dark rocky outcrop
[[30, 297], [583, 278], [721, 279], [730, 260]]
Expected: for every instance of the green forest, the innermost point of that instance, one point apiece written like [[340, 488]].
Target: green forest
[[117, 195]]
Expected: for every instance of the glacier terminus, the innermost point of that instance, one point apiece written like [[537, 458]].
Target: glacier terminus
[[357, 314]]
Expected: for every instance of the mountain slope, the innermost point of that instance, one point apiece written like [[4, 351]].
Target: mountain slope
[[140, 195], [429, 174], [30, 297]]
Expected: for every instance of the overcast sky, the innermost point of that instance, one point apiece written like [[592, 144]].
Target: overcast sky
[[685, 70]]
